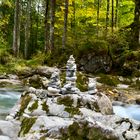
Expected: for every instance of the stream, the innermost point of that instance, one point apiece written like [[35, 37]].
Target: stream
[[131, 111], [8, 98]]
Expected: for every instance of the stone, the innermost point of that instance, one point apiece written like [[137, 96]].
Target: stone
[[92, 86], [54, 85], [70, 85], [105, 105], [4, 138]]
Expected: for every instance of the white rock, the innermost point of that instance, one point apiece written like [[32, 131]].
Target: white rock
[[53, 90], [4, 138]]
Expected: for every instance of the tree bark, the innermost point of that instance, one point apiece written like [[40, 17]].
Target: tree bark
[[46, 47], [27, 28], [98, 14], [65, 24], [116, 14], [107, 15], [112, 17], [136, 27], [16, 30], [52, 17]]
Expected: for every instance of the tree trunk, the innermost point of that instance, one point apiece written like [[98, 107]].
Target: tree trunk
[[116, 14], [65, 24], [52, 16], [112, 18], [16, 30], [27, 28], [107, 15], [98, 14], [46, 47], [136, 27]]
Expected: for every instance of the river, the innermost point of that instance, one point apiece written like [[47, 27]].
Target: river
[[8, 98]]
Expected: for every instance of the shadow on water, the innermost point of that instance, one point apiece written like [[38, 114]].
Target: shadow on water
[[128, 111], [8, 98]]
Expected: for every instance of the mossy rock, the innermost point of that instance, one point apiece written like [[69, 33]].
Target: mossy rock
[[23, 104], [72, 111], [34, 106], [26, 125], [82, 82], [65, 100], [45, 107], [83, 131], [108, 80]]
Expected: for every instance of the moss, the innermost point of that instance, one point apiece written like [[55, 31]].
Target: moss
[[108, 80], [44, 131], [72, 110], [42, 138], [26, 125], [34, 106], [65, 100], [82, 82], [45, 107], [83, 131], [24, 103]]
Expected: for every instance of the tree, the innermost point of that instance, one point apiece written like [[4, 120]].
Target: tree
[[65, 24], [98, 14], [16, 30], [46, 47], [116, 13], [52, 17], [112, 16], [136, 26], [27, 28], [107, 15]]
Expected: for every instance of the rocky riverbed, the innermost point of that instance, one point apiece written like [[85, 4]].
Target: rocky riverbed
[[51, 108]]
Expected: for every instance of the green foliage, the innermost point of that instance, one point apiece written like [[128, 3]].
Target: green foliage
[[72, 110], [108, 80], [99, 47], [26, 125]]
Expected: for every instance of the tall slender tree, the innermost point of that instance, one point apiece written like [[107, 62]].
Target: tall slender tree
[[136, 26], [116, 14], [65, 24], [112, 16], [107, 15], [98, 14], [52, 19], [46, 47], [16, 30], [27, 28]]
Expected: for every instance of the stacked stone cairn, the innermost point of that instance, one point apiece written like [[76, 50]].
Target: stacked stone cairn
[[70, 85], [92, 86], [54, 86]]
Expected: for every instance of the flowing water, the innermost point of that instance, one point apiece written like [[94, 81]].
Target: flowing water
[[8, 98], [128, 111]]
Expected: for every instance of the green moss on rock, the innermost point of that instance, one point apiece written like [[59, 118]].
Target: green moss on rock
[[72, 110], [34, 106], [45, 107], [24, 103], [26, 125], [82, 82], [65, 100]]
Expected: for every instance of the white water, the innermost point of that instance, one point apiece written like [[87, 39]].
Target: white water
[[128, 111], [8, 98]]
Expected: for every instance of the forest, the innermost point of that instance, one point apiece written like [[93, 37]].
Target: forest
[[38, 32]]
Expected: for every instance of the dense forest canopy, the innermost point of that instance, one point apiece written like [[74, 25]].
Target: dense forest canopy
[[30, 28]]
